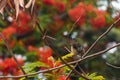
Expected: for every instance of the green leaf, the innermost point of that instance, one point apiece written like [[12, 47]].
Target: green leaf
[[108, 18], [19, 49], [45, 19], [22, 78], [93, 76], [68, 57], [98, 78], [31, 67], [31, 56], [114, 32]]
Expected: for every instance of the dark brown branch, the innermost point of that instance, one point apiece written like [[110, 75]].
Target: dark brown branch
[[101, 36], [11, 53]]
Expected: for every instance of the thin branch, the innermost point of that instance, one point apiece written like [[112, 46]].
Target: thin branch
[[82, 70], [50, 44], [70, 72], [113, 66], [101, 36], [73, 26], [11, 53], [73, 62], [47, 70], [57, 54], [67, 49], [101, 52]]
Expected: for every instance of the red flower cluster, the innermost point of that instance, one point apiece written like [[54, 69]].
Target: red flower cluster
[[9, 65], [20, 28], [44, 54], [7, 32], [63, 78], [54, 26], [48, 2], [23, 26], [78, 14], [98, 21], [82, 11], [58, 4]]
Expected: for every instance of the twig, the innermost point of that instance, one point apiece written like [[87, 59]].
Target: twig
[[67, 49], [73, 62], [70, 72], [101, 36], [101, 52], [49, 43], [73, 26], [113, 66], [10, 51], [47, 70], [82, 70], [42, 32]]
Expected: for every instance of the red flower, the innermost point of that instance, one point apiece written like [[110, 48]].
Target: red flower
[[12, 43], [8, 31], [23, 26], [57, 63], [24, 17], [98, 21], [0, 39], [45, 52], [48, 2], [9, 65], [22, 30], [63, 77], [50, 61], [60, 6], [54, 26], [31, 48], [90, 8], [78, 14], [114, 19]]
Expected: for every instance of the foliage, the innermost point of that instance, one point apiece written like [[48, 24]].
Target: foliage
[[32, 66], [40, 31], [93, 76]]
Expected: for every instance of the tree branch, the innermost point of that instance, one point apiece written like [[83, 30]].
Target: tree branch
[[113, 66], [101, 36], [49, 43], [73, 62], [70, 72], [11, 53], [101, 52]]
